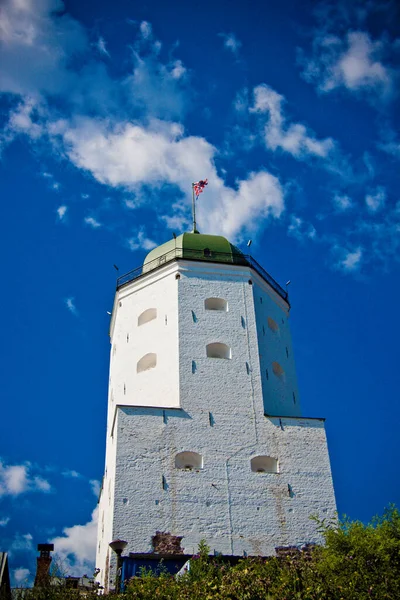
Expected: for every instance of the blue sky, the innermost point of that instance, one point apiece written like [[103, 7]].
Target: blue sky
[[108, 112]]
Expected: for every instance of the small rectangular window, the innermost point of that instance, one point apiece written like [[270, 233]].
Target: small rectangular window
[[266, 374], [287, 352]]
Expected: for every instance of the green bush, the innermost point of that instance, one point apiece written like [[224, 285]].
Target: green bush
[[357, 562]]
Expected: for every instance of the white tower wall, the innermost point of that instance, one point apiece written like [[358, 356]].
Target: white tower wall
[[211, 406]]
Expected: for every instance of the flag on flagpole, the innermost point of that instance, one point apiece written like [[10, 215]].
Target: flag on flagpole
[[199, 186]]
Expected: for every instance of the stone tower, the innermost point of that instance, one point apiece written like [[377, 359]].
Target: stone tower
[[205, 436]]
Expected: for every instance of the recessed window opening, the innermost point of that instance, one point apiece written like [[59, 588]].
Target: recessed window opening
[[264, 464], [148, 361], [273, 325], [278, 371], [188, 460], [216, 304], [147, 315], [218, 350]]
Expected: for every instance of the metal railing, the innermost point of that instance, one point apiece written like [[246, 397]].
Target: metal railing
[[203, 256]]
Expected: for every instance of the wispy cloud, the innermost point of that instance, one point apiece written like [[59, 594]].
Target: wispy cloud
[[140, 241], [21, 575], [294, 138], [95, 487], [4, 521], [375, 201], [36, 47], [301, 230], [102, 47], [22, 543], [61, 212], [349, 261], [70, 304], [19, 479], [77, 546], [231, 42], [92, 222], [342, 202], [345, 55], [71, 473]]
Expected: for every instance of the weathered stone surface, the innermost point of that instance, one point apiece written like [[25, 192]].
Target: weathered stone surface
[[214, 407]]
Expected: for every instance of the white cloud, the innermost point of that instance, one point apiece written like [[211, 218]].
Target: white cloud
[[352, 62], [72, 473], [140, 240], [4, 521], [156, 89], [146, 30], [231, 42], [70, 304], [76, 548], [42, 484], [36, 47], [294, 138], [375, 201], [390, 142], [342, 202], [301, 230], [92, 222], [62, 211], [18, 479], [24, 119], [349, 261], [131, 156], [392, 148], [21, 575], [14, 479], [95, 486], [102, 47], [177, 69], [22, 543]]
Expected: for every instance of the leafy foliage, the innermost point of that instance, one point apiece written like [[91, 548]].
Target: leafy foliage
[[357, 562]]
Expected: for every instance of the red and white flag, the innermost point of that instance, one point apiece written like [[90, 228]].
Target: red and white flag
[[199, 186]]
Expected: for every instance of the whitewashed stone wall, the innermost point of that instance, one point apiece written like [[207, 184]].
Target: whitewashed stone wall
[[214, 407]]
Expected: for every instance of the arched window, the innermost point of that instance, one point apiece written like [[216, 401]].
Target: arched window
[[148, 361], [146, 316], [216, 304], [218, 350], [264, 464], [273, 325], [188, 460], [278, 371]]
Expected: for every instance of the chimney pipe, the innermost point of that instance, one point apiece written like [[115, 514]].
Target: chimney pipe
[[42, 578]]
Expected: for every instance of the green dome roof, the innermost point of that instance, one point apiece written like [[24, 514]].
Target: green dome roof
[[195, 246]]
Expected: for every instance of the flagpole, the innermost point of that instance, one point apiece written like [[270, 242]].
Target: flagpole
[[193, 210]]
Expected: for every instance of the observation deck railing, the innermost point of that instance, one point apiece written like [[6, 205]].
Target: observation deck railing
[[202, 256]]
